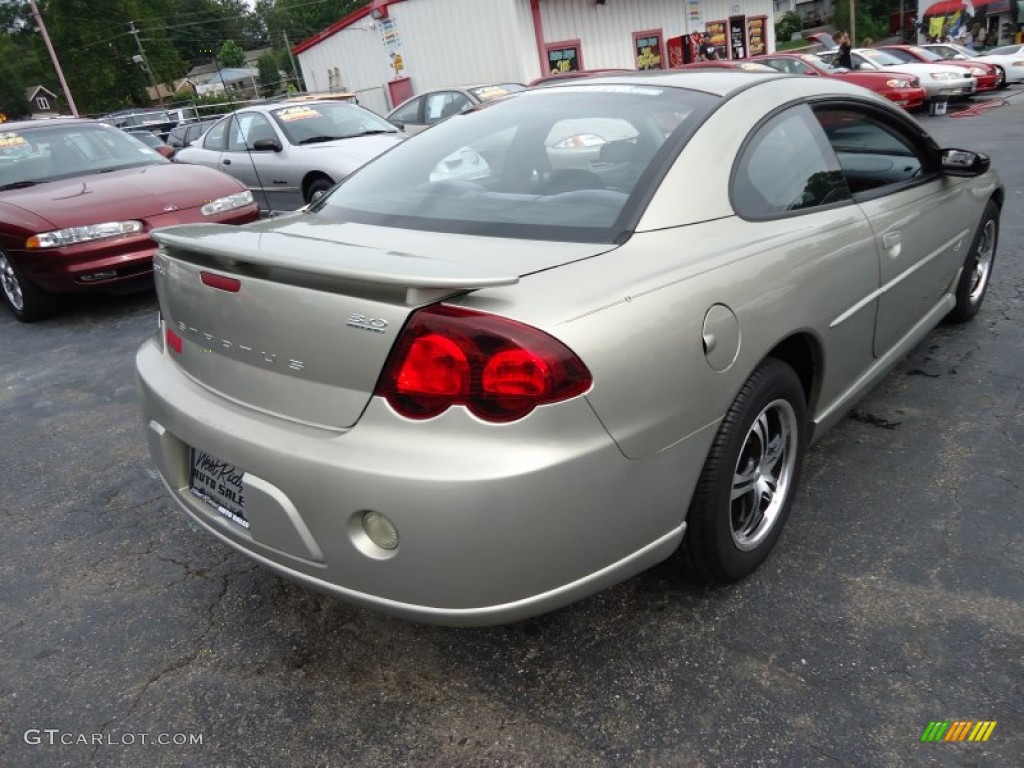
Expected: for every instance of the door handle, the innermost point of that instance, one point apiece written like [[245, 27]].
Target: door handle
[[225, 161], [891, 240]]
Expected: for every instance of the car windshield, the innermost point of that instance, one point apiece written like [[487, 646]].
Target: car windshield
[[1005, 50], [924, 53], [569, 163], [881, 58], [147, 138], [32, 154], [311, 123]]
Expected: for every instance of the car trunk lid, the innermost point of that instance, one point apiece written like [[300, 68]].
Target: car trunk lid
[[300, 326]]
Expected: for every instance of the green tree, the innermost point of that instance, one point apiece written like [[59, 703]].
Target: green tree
[[872, 19], [786, 26], [232, 55], [300, 19], [270, 73], [12, 90]]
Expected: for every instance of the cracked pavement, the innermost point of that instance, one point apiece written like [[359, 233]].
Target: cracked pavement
[[894, 598]]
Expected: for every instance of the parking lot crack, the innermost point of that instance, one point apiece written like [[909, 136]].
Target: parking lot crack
[[179, 664]]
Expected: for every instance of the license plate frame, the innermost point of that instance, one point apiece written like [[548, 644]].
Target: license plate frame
[[217, 484]]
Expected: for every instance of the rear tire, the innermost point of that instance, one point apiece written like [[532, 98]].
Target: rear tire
[[26, 301], [974, 280], [746, 488]]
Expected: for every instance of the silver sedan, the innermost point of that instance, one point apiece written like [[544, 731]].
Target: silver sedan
[[471, 397], [290, 153]]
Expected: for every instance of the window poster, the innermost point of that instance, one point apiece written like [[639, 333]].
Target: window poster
[[755, 34], [648, 51], [564, 57]]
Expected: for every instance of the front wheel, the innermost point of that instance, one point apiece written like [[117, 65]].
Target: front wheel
[[1001, 79], [974, 280], [746, 488], [318, 188], [26, 301]]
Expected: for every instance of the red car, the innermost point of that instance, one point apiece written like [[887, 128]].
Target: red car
[[986, 75], [78, 200], [742, 64], [900, 88]]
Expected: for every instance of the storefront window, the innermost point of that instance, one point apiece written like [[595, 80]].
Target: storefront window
[[647, 47], [564, 57]]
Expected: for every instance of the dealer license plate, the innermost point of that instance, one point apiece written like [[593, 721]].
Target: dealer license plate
[[218, 484]]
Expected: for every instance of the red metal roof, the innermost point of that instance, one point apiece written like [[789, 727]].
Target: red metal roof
[[342, 23]]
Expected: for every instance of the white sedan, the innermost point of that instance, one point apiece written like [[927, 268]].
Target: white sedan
[[1009, 61], [940, 81]]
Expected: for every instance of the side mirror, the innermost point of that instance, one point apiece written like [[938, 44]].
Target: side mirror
[[961, 162], [266, 145]]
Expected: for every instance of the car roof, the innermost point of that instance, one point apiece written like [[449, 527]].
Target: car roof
[[718, 82], [20, 125]]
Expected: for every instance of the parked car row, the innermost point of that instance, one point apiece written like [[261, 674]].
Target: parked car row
[[288, 153]]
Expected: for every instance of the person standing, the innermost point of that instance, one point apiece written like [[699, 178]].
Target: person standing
[[845, 59], [708, 50]]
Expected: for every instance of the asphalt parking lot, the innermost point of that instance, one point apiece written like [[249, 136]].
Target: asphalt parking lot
[[894, 599]]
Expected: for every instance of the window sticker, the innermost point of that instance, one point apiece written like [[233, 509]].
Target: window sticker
[[8, 140], [292, 114]]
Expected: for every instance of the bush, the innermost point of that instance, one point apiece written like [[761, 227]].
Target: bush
[[786, 26]]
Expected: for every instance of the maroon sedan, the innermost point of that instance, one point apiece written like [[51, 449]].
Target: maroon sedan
[[78, 200], [900, 88]]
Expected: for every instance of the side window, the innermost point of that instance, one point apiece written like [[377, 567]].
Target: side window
[[873, 152], [444, 104], [408, 113], [786, 166], [254, 127], [216, 139], [237, 132]]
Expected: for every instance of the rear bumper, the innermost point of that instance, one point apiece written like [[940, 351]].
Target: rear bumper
[[495, 524]]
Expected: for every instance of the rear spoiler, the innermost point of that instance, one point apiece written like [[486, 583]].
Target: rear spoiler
[[424, 279]]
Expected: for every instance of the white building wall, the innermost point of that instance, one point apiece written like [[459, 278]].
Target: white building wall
[[606, 31], [362, 61], [457, 42]]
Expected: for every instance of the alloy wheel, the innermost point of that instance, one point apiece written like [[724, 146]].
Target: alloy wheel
[[9, 283], [763, 474], [983, 261]]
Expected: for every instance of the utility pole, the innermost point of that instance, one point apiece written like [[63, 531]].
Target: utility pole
[[295, 69], [53, 58], [853, 25], [141, 59]]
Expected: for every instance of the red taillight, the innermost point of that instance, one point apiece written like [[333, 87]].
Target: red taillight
[[498, 368], [221, 282], [173, 340], [434, 365]]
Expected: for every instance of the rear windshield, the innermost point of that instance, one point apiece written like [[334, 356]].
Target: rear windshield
[[570, 163]]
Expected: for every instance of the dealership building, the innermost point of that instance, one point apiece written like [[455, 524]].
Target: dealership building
[[393, 49]]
